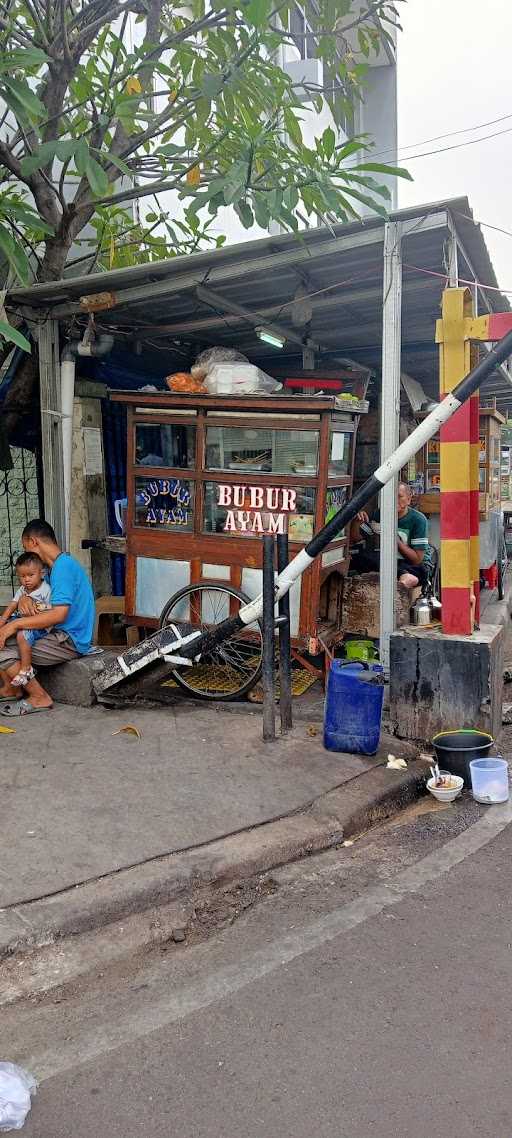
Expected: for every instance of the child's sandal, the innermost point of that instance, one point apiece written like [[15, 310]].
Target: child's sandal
[[23, 678]]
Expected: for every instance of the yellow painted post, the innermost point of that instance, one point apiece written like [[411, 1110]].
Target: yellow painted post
[[460, 550]]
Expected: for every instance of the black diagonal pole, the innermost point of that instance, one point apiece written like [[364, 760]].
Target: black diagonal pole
[[165, 643]]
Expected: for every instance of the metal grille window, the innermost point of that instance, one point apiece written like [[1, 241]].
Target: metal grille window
[[18, 504]]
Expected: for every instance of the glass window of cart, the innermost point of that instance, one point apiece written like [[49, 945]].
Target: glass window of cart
[[340, 456], [248, 511], [336, 498], [164, 504], [254, 450], [165, 444]]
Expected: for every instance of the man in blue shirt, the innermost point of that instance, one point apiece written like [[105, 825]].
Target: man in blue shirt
[[70, 621]]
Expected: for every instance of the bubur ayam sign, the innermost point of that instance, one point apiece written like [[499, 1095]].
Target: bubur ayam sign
[[171, 513], [256, 509], [249, 509]]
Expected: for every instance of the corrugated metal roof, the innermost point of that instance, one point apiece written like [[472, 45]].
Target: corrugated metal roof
[[341, 271]]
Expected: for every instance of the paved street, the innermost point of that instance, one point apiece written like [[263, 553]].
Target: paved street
[[368, 992]]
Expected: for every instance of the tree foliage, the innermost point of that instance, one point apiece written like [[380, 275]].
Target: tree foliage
[[111, 102]]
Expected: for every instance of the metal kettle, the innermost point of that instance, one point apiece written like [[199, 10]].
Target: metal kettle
[[421, 611]]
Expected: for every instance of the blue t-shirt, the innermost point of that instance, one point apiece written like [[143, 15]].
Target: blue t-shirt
[[70, 586]]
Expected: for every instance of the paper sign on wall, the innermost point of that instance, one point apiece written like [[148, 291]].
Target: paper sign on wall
[[93, 451]]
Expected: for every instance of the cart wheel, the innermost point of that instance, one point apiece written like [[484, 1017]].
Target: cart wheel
[[502, 564], [234, 666]]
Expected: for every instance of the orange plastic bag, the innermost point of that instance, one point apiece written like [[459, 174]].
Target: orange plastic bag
[[185, 383]]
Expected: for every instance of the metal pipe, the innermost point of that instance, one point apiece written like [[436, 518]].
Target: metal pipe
[[268, 671], [390, 427], [67, 396], [285, 659]]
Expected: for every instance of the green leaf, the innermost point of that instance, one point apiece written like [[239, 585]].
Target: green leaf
[[28, 217], [30, 164], [17, 91], [352, 147], [170, 149], [13, 336], [261, 212], [120, 164], [292, 126], [82, 157], [211, 85], [199, 201], [329, 141], [257, 12], [14, 255], [96, 178], [379, 168], [245, 214], [366, 200], [65, 148], [26, 57], [235, 181], [363, 41]]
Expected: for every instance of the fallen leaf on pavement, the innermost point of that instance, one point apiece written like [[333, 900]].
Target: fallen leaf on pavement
[[7, 731], [129, 729], [312, 730]]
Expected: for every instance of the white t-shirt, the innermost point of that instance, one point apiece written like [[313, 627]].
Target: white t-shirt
[[41, 595]]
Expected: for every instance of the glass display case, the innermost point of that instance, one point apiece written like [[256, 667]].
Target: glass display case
[[207, 476]]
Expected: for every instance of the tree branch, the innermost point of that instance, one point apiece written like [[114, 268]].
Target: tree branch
[[157, 187], [34, 14]]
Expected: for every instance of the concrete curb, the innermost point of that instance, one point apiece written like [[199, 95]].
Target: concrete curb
[[339, 814]]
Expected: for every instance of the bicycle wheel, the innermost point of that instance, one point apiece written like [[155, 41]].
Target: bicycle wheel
[[233, 667], [502, 564]]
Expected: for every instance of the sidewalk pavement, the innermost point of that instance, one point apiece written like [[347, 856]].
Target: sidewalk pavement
[[96, 825], [494, 611]]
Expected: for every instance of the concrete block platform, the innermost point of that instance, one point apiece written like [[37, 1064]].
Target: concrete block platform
[[72, 683], [442, 683]]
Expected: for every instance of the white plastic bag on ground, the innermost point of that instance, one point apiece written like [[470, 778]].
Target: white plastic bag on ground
[[16, 1087]]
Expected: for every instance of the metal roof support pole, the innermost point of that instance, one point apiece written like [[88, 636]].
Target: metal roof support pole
[[390, 426], [453, 256], [51, 433]]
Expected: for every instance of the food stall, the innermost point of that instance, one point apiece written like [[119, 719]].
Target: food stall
[[207, 476]]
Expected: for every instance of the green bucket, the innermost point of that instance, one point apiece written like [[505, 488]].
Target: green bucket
[[363, 650]]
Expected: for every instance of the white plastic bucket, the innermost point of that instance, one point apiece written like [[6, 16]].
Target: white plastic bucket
[[489, 780]]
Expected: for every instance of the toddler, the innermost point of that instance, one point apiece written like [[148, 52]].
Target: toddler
[[30, 571]]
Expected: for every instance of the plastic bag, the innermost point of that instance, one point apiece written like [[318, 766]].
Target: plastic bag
[[16, 1087], [184, 382], [207, 359], [240, 379]]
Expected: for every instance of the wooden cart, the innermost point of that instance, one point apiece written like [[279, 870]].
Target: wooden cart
[[206, 476]]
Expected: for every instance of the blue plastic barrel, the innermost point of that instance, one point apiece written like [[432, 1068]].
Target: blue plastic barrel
[[353, 707]]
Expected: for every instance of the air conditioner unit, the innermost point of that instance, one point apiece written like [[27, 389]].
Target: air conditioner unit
[[307, 71]]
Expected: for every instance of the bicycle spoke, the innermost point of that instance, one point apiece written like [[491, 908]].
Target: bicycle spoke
[[231, 667]]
